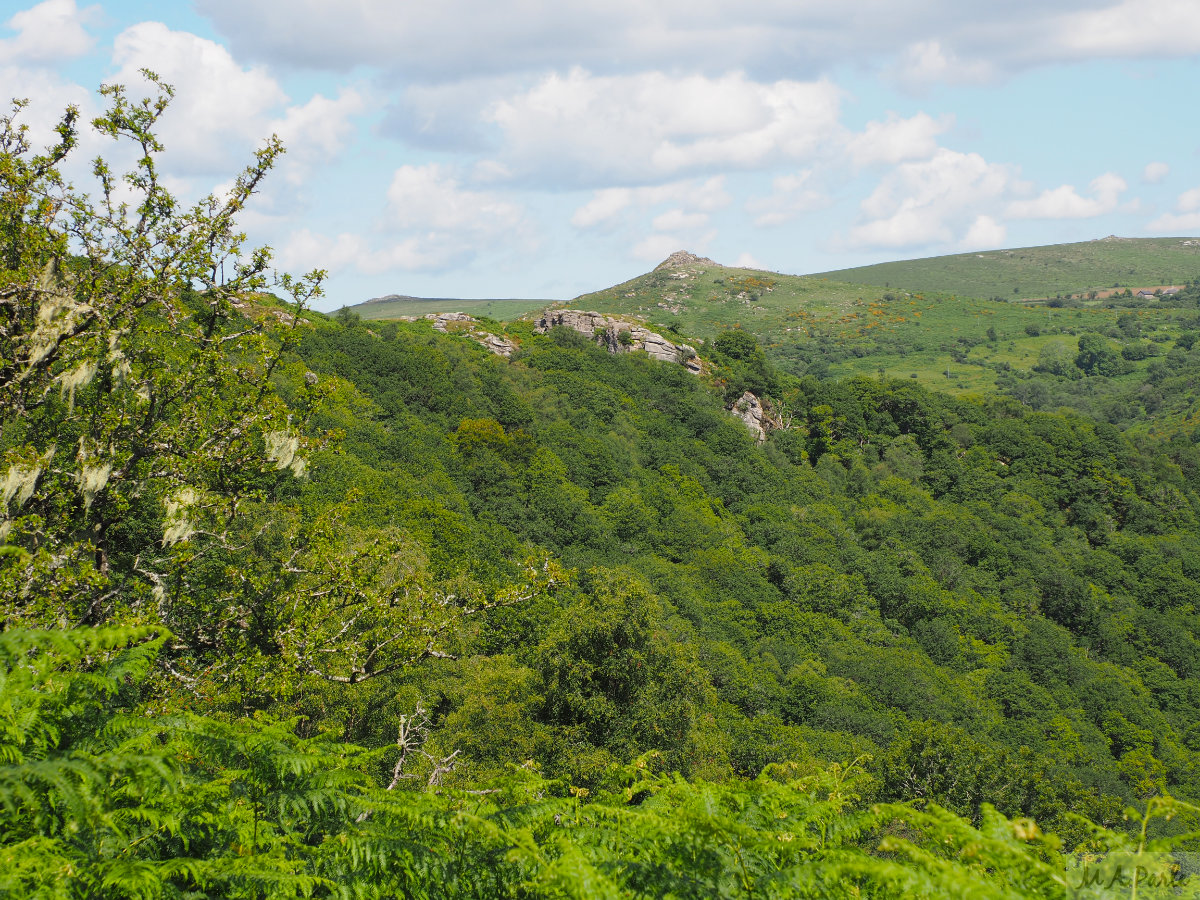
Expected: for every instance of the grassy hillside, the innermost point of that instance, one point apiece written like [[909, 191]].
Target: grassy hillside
[[1041, 272], [396, 306], [957, 343], [702, 298], [324, 607]]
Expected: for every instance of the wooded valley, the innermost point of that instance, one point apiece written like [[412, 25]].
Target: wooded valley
[[307, 605]]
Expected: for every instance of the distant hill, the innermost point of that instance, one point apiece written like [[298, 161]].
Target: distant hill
[[949, 322], [1040, 272], [393, 306], [700, 297]]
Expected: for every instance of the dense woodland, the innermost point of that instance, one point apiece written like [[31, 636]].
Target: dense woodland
[[306, 606]]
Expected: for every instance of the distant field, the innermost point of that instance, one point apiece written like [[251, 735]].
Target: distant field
[[1060, 269], [500, 310], [703, 300], [871, 330], [931, 319]]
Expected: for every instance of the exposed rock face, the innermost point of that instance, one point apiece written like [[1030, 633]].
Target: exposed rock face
[[501, 346], [750, 410], [609, 332], [461, 323], [682, 259]]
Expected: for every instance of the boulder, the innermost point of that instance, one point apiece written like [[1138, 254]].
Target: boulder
[[608, 332], [461, 323], [750, 410]]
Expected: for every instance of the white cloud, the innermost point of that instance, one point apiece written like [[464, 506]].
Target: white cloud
[[1176, 223], [693, 195], [1189, 201], [51, 32], [657, 247], [683, 223], [1064, 202], [353, 253], [650, 126], [960, 199], [985, 233], [603, 207], [429, 198], [678, 220], [919, 42], [897, 139], [313, 133], [790, 196], [431, 224], [927, 62], [1185, 219], [936, 201], [489, 170], [1133, 28], [1155, 172], [321, 127], [220, 110], [49, 97], [747, 261]]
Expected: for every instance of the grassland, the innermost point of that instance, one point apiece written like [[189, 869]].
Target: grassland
[[395, 307], [703, 300], [958, 343], [1041, 272], [931, 319]]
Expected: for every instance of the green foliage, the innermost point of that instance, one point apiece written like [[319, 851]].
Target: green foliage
[[1098, 357], [365, 610], [1057, 270], [94, 801]]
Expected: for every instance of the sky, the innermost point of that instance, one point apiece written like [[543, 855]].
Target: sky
[[545, 148]]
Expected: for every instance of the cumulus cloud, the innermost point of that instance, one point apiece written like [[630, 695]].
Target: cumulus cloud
[[1064, 202], [927, 62], [316, 131], [790, 196], [50, 32], [1189, 201], [961, 199], [1186, 217], [985, 233], [934, 201], [897, 139], [679, 220], [429, 198], [658, 246], [431, 223], [656, 220], [938, 40], [651, 126], [691, 195], [53, 95], [220, 109], [1133, 28], [1155, 172], [747, 261]]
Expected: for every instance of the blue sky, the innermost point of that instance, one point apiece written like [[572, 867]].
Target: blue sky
[[544, 149]]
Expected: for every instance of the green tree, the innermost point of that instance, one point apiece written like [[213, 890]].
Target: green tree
[[136, 407], [1098, 356]]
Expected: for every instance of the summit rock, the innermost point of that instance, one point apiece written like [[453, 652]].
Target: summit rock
[[681, 259]]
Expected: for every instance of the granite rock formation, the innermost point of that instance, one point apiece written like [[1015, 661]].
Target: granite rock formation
[[619, 336]]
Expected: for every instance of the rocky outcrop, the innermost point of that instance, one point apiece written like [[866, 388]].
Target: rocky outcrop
[[619, 336], [750, 410], [682, 259], [461, 323], [501, 346]]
